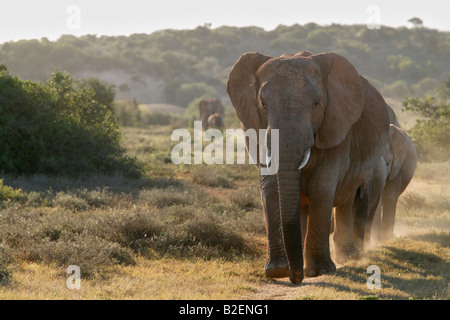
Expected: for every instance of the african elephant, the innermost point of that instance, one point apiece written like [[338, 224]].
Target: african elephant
[[333, 123], [400, 158], [368, 197], [209, 107]]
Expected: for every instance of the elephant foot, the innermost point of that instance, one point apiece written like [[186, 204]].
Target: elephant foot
[[319, 267], [346, 252], [296, 277], [277, 269]]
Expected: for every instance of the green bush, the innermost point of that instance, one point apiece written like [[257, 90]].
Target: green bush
[[57, 127], [127, 112], [104, 93], [431, 134], [9, 193]]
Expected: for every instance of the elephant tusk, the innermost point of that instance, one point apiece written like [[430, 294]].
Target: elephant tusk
[[268, 158], [305, 159]]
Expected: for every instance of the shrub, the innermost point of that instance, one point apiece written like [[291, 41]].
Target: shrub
[[127, 112], [57, 127], [161, 198], [204, 229], [247, 199], [90, 253], [158, 118], [9, 193], [431, 134], [71, 202], [211, 176], [5, 275], [133, 230], [192, 111]]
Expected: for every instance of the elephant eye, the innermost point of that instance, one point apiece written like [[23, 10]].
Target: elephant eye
[[316, 103]]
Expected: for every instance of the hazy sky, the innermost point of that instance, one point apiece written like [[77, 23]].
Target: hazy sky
[[20, 19]]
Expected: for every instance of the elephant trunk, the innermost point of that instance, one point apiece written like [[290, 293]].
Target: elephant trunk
[[294, 152], [289, 197]]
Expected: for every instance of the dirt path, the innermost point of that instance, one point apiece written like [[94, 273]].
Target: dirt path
[[283, 289]]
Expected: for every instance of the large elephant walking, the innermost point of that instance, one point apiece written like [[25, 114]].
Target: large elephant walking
[[332, 121]]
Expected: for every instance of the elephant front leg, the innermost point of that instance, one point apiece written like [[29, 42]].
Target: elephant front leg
[[276, 265], [317, 245]]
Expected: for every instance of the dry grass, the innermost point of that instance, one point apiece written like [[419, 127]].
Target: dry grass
[[174, 234], [165, 278]]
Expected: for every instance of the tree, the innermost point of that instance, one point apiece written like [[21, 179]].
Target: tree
[[417, 22], [104, 92], [320, 38]]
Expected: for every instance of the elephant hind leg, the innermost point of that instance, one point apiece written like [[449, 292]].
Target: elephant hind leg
[[343, 234], [360, 217], [388, 218], [375, 235], [373, 226], [389, 207]]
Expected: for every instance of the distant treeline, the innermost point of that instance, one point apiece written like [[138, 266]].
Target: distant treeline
[[187, 64]]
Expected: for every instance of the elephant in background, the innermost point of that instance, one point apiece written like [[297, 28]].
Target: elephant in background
[[401, 161], [388, 181], [333, 126], [211, 108]]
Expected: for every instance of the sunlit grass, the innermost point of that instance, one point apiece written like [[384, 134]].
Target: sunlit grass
[[165, 278]]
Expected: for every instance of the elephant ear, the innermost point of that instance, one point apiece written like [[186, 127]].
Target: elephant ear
[[218, 107], [399, 149], [345, 99], [241, 87], [203, 108], [204, 114]]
